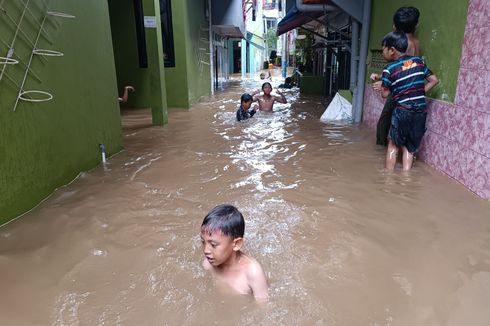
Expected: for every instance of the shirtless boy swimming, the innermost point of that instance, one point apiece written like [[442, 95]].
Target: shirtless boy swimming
[[266, 101], [222, 239]]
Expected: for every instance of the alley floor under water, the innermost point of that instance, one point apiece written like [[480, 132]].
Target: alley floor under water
[[343, 241]]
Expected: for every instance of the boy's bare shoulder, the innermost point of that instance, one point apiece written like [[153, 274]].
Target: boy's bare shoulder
[[413, 45], [256, 279], [252, 267]]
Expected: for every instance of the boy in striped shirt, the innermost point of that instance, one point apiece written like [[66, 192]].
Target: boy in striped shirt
[[405, 19], [404, 78]]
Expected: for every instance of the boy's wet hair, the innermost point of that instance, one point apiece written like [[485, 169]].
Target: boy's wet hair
[[397, 40], [246, 98], [288, 80], [266, 83], [406, 19], [224, 218]]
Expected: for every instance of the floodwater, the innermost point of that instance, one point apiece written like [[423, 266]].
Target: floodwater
[[343, 241]]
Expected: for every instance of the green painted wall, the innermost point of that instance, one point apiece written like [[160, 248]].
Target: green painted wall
[[176, 77], [190, 79], [197, 51], [312, 85], [45, 145], [126, 52], [346, 93], [149, 82], [440, 31]]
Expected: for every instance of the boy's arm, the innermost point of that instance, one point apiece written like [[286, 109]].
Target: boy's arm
[[255, 95], [376, 79], [431, 82], [258, 282], [385, 83], [377, 86], [282, 98], [385, 92]]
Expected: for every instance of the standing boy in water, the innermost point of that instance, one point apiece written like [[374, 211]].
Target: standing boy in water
[[405, 20], [267, 100], [404, 79], [222, 239], [244, 112]]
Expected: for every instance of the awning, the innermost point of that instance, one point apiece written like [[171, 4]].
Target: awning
[[260, 47], [249, 40], [295, 18]]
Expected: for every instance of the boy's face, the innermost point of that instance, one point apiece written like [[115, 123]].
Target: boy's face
[[246, 105], [218, 248], [388, 53], [267, 89]]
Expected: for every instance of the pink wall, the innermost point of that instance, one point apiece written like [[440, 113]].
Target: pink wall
[[457, 141]]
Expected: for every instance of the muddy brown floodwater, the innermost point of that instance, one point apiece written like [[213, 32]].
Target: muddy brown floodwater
[[343, 241]]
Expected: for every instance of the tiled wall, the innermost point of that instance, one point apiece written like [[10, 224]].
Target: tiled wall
[[457, 141]]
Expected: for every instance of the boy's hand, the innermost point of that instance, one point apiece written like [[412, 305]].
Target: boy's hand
[[377, 86], [374, 77]]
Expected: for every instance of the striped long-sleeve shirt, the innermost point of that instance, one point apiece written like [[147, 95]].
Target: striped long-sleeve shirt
[[405, 78]]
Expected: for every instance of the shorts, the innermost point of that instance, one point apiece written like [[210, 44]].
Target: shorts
[[408, 128]]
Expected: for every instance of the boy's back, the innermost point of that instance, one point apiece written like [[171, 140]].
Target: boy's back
[[405, 78], [413, 45]]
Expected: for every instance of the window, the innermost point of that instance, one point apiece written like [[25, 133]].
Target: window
[[140, 33], [167, 33]]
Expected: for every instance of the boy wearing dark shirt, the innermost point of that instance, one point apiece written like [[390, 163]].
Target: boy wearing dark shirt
[[404, 79], [244, 112]]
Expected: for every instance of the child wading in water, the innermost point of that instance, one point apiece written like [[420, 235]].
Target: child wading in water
[[244, 112], [266, 101], [404, 79], [405, 19], [222, 239]]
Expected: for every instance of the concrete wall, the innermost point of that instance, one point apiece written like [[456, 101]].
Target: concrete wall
[[225, 13], [176, 77], [312, 85], [457, 141], [440, 31], [149, 82], [257, 57], [44, 145], [197, 51], [255, 34], [190, 79]]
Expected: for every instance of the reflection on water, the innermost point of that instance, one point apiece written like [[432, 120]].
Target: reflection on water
[[343, 241]]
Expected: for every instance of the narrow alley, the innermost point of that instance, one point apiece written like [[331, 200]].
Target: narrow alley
[[342, 241]]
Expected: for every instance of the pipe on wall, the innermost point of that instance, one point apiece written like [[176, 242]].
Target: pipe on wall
[[211, 45], [354, 59], [361, 76]]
